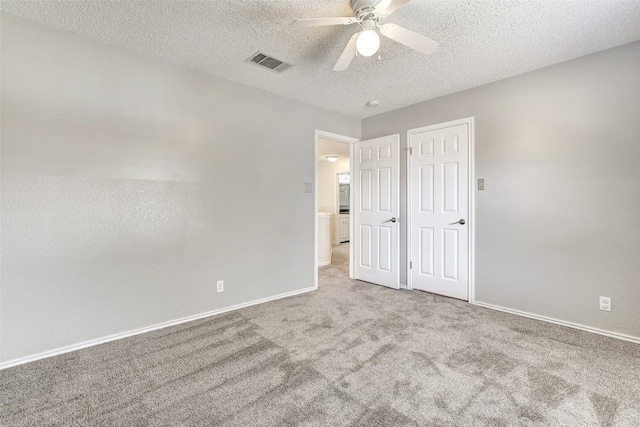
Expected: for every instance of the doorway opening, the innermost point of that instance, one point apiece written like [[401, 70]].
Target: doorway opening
[[334, 201]]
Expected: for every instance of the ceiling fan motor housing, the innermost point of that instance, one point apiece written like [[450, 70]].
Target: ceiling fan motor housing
[[364, 9]]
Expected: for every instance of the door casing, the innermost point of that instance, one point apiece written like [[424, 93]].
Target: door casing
[[469, 121]]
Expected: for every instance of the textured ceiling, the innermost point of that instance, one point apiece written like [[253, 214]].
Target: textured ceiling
[[480, 42]]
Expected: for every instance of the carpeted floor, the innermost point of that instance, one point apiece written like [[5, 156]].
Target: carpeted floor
[[349, 354]]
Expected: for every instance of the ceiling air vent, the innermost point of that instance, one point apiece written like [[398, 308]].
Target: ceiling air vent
[[268, 62]]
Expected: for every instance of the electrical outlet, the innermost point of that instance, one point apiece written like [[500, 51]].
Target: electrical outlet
[[605, 303], [220, 285]]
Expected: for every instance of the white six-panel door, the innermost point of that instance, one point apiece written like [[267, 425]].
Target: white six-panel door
[[377, 209], [439, 209]]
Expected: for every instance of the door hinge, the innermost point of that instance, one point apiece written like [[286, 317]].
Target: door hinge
[[410, 150], [410, 264]]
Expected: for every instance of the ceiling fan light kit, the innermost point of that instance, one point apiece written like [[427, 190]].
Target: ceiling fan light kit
[[366, 42]]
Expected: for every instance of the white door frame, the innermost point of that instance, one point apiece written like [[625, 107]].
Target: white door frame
[[351, 141], [469, 121]]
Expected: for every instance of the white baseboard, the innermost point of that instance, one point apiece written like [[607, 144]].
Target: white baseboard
[[90, 343], [560, 322]]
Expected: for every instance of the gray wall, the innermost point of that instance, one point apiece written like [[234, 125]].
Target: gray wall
[[558, 224], [129, 186]]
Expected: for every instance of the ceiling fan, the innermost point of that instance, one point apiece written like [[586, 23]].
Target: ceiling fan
[[366, 42]]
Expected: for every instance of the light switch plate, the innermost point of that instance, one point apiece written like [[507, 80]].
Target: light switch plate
[[480, 183], [307, 187]]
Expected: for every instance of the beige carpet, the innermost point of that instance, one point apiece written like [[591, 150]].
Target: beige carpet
[[349, 354]]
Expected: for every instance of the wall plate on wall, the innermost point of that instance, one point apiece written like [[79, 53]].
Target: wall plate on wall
[[307, 187]]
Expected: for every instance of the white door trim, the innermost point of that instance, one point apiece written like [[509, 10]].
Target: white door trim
[[469, 121], [351, 141]]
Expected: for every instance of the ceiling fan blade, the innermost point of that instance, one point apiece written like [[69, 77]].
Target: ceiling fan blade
[[387, 7], [348, 54], [319, 22], [408, 38]]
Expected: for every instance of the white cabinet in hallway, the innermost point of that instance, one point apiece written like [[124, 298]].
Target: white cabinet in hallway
[[344, 228]]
